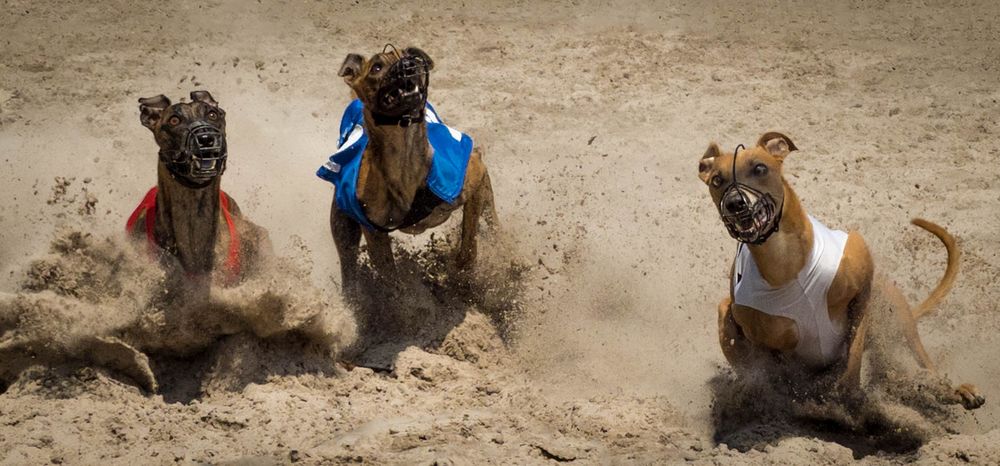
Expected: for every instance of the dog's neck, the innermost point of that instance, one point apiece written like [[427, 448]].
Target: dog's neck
[[187, 221], [398, 160], [783, 255]]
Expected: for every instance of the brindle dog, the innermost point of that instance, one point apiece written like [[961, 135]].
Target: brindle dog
[[394, 167], [196, 230], [199, 227]]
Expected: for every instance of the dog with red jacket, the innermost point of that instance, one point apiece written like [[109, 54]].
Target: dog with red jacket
[[195, 229]]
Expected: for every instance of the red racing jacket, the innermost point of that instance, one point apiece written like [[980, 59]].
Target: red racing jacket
[[147, 209]]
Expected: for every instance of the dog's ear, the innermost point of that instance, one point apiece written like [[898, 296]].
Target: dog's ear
[[204, 97], [351, 67], [777, 144], [150, 109], [420, 54], [707, 161]]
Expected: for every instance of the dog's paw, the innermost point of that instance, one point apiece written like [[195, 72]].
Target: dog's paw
[[969, 396]]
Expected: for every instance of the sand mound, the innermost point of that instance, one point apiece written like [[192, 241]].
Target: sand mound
[[100, 302]]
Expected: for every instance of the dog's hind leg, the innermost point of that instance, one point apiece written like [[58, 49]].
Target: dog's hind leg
[[965, 394], [347, 237], [908, 323], [472, 211], [489, 206]]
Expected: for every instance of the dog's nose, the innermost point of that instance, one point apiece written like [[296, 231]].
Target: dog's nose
[[735, 204], [205, 140]]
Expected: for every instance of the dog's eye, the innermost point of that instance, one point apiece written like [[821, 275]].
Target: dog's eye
[[716, 181], [760, 169], [174, 121], [212, 115]]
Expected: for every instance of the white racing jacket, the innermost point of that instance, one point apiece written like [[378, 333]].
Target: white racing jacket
[[803, 300]]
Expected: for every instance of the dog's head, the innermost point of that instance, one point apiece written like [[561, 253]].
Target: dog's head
[[191, 136], [391, 84], [747, 186]]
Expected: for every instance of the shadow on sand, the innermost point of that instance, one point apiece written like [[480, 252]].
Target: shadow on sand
[[896, 412]]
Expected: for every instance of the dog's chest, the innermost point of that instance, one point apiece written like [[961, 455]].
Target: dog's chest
[[385, 200], [795, 316], [388, 199], [380, 194], [184, 229]]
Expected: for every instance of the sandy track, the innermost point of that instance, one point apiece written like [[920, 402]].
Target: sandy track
[[593, 115]]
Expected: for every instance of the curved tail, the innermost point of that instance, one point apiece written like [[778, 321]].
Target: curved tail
[[950, 272]]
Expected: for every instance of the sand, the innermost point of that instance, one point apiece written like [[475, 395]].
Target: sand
[[588, 334]]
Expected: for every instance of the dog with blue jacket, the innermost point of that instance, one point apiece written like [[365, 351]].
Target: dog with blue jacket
[[398, 167]]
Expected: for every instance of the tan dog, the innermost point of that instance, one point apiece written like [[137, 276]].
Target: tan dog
[[800, 290], [392, 186], [187, 215]]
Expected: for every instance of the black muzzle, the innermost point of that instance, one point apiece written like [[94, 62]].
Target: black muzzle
[[750, 216], [201, 158], [402, 94]]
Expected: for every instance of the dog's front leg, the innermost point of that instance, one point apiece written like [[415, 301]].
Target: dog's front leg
[[851, 378], [380, 252], [347, 237], [735, 347]]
